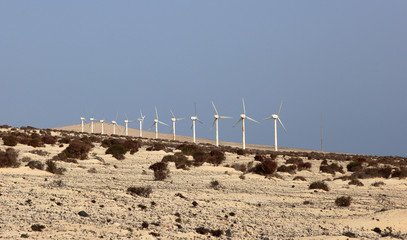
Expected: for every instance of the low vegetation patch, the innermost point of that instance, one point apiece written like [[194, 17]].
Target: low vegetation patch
[[374, 172], [343, 201], [356, 182], [378, 184], [140, 191], [267, 167], [10, 140], [331, 168], [319, 185], [52, 168], [161, 171], [35, 165], [8, 158], [78, 149]]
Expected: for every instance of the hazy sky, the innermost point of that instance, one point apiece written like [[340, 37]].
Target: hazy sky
[[345, 59]]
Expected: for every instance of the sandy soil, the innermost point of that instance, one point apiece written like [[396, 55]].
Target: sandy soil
[[251, 208]]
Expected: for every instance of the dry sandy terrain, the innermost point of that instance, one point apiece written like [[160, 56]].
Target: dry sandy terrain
[[251, 208]]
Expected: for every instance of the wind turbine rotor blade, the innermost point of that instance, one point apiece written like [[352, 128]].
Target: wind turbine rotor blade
[[126, 116], [281, 123], [163, 123], [244, 108], [195, 108], [224, 117], [117, 115], [179, 119], [117, 125], [216, 111], [237, 122], [279, 109], [172, 113], [199, 121], [213, 124], [156, 113], [267, 118], [251, 119], [152, 125]]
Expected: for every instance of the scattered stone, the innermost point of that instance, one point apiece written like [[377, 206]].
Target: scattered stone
[[83, 214], [37, 227]]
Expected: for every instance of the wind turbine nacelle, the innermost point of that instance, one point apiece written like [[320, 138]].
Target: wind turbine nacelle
[[156, 120], [274, 116], [242, 116], [126, 121], [193, 118], [140, 119], [114, 122], [173, 119], [82, 118], [216, 116], [102, 121], [92, 119]]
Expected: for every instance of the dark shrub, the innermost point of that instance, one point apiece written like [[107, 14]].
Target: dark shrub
[[52, 168], [78, 149], [332, 168], [65, 140], [378, 184], [180, 160], [37, 227], [343, 201], [48, 140], [9, 158], [140, 191], [259, 158], [188, 149], [240, 167], [216, 157], [354, 166], [35, 142], [215, 185], [284, 168], [304, 165], [299, 178], [267, 167], [200, 156], [39, 152], [131, 146], [117, 151], [273, 156], [109, 142], [35, 165], [216, 233], [294, 160], [156, 147], [160, 169], [10, 140], [202, 230], [356, 182], [241, 152], [319, 185], [373, 172], [400, 173]]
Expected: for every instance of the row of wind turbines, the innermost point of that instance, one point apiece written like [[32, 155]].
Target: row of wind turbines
[[194, 119]]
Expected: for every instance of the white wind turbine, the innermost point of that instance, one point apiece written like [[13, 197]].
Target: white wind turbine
[[276, 117], [242, 118], [91, 123], [156, 122], [141, 119], [114, 123], [102, 122], [127, 124], [174, 119], [82, 121], [215, 122], [194, 119]]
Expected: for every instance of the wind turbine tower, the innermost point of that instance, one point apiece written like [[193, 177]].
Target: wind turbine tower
[[194, 119], [174, 119], [114, 123], [102, 122], [141, 119], [127, 124], [156, 122], [82, 121], [276, 117], [91, 123], [242, 119], [215, 122]]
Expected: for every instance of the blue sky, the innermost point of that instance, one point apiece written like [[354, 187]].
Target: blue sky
[[344, 59]]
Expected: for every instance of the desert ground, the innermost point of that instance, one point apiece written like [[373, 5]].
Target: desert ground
[[91, 198]]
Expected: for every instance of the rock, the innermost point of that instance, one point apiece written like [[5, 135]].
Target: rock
[[83, 214]]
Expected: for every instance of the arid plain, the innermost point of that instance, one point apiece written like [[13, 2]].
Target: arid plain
[[212, 193]]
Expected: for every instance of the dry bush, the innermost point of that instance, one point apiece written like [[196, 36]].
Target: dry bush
[[356, 182], [140, 191], [294, 160], [117, 151], [378, 184], [131, 146], [180, 160], [78, 149], [156, 147], [216, 157], [64, 140], [8, 158], [35, 142], [241, 152], [35, 165], [290, 169], [373, 172], [189, 149], [259, 158], [110, 141], [10, 140], [215, 184], [161, 171], [354, 166], [52, 168], [49, 139], [331, 168], [304, 166], [299, 178], [39, 152], [266, 167], [400, 173], [343, 201], [273, 156], [319, 185], [240, 167], [200, 157]]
